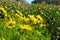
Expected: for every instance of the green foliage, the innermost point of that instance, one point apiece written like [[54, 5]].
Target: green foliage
[[51, 15], [16, 33]]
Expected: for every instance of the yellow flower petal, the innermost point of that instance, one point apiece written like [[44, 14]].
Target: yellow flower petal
[[19, 17], [41, 25], [33, 19], [26, 19], [4, 11], [19, 12], [26, 27], [39, 17]]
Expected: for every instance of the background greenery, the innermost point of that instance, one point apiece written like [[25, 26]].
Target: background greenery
[[50, 14]]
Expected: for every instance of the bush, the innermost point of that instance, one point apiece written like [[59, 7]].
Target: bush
[[31, 22], [17, 25], [51, 16]]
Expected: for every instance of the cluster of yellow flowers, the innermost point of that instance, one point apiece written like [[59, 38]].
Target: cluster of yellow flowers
[[35, 20], [31, 18], [39, 20]]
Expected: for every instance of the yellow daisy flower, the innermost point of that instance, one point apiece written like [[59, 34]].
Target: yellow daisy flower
[[26, 19], [19, 12], [25, 27], [39, 22], [33, 19], [10, 24], [4, 11], [19, 17], [40, 18]]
